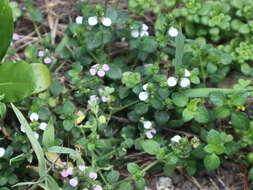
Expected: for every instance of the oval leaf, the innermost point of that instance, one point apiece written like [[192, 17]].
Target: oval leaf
[[6, 27]]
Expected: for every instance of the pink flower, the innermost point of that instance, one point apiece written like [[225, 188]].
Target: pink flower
[[82, 167], [105, 67], [101, 73], [69, 170], [64, 173], [15, 37], [153, 130], [104, 99], [93, 175], [41, 53], [47, 60], [64, 163], [149, 135], [93, 71], [98, 187], [73, 182]]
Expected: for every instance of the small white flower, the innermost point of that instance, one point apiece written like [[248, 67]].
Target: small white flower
[[34, 117], [176, 139], [147, 124], [185, 82], [106, 21], [79, 20], [172, 81], [144, 27], [36, 135], [145, 86], [144, 33], [135, 33], [2, 152], [143, 96], [173, 32], [187, 73], [92, 21], [22, 128], [43, 126]]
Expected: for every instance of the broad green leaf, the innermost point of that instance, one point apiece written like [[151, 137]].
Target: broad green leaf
[[201, 115], [240, 120], [42, 77], [34, 142], [151, 146], [179, 99], [217, 98], [6, 27], [250, 174], [16, 81], [48, 135], [213, 137], [211, 162]]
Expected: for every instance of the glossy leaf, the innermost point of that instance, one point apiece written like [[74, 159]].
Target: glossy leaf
[[6, 27], [19, 80], [16, 81], [42, 77]]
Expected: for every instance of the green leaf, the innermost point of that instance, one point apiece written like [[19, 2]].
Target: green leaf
[[188, 115], [151, 147], [51, 183], [140, 184], [169, 169], [48, 135], [162, 117], [204, 92], [211, 162], [179, 51], [42, 77], [19, 80], [126, 185], [217, 98], [133, 168], [6, 27], [62, 150], [141, 108], [115, 72], [113, 176], [179, 99], [201, 115], [240, 120], [16, 81], [250, 174], [221, 112], [34, 142], [213, 137]]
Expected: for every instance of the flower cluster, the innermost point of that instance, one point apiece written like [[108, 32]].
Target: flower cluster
[[149, 130], [46, 59], [93, 21], [184, 81], [140, 33], [73, 181], [99, 70], [144, 94], [2, 152]]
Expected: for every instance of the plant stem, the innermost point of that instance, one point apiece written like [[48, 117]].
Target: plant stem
[[150, 166]]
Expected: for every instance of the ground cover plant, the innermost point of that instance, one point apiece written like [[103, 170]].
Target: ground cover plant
[[146, 79]]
